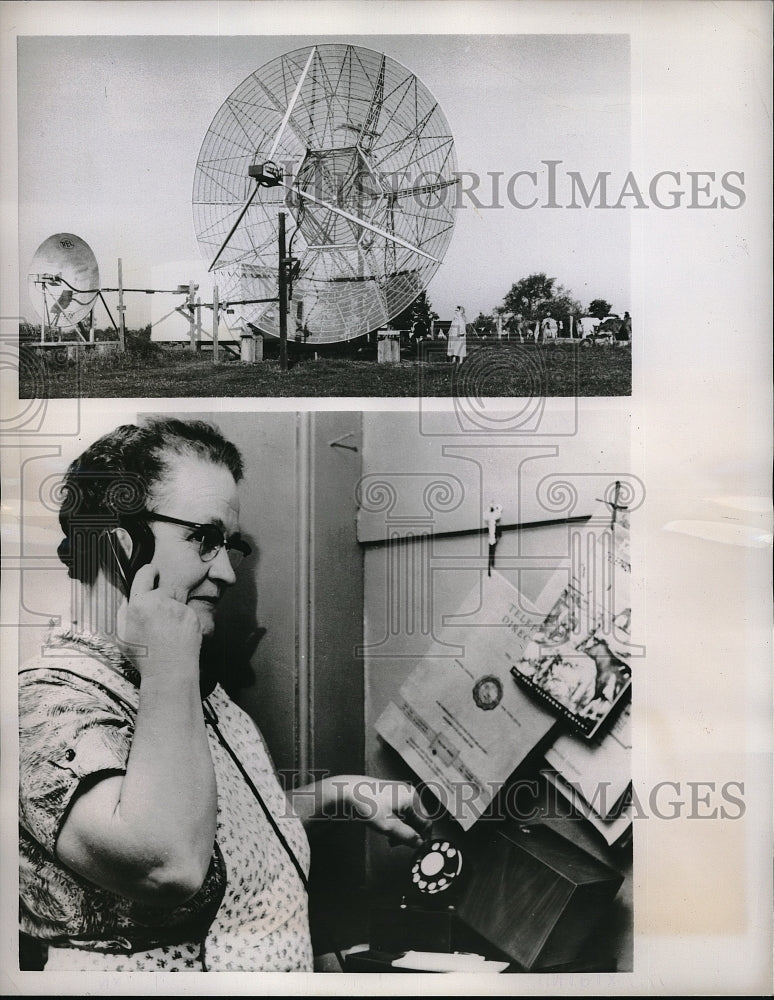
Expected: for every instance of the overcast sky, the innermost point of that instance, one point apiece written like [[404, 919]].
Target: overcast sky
[[110, 129]]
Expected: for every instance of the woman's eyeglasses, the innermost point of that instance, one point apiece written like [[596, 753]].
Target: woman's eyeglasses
[[210, 537]]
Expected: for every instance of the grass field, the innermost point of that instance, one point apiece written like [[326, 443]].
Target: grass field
[[491, 370]]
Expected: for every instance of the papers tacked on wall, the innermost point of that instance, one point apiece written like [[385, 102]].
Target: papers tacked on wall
[[463, 725]]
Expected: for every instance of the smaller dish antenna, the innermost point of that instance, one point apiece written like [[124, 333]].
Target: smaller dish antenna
[[63, 281]]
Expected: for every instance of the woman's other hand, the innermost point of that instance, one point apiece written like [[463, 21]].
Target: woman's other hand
[[393, 808]]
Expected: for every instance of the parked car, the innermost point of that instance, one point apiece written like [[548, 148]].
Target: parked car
[[586, 327], [595, 331], [610, 324]]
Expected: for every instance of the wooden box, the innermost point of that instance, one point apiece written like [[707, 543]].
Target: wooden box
[[534, 895]]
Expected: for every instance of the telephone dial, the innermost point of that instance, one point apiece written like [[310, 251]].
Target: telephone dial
[[436, 870]]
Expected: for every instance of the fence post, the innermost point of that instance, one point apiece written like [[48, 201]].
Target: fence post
[[121, 307], [215, 322], [191, 313], [283, 296], [195, 344]]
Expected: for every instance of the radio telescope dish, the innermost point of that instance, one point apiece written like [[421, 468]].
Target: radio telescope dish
[[366, 174], [63, 281]]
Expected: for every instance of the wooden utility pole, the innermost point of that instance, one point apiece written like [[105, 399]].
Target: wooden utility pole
[[195, 344], [283, 296], [215, 322], [191, 314], [121, 307]]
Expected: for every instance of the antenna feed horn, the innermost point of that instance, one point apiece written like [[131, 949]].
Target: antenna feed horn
[[266, 174]]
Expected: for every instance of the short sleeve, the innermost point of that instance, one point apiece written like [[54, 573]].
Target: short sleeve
[[71, 733]]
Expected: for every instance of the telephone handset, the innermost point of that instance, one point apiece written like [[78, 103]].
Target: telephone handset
[[120, 568]]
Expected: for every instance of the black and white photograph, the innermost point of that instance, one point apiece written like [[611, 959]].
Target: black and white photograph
[[385, 436], [381, 216], [212, 607]]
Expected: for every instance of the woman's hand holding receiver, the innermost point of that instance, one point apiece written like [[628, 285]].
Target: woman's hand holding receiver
[[148, 834], [159, 628]]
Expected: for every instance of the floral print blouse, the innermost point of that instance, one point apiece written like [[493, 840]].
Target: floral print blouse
[[77, 707]]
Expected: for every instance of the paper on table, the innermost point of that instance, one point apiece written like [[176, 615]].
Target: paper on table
[[462, 724], [432, 961], [612, 830], [600, 771]]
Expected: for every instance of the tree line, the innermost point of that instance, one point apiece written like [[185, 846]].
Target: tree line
[[534, 298], [529, 300]]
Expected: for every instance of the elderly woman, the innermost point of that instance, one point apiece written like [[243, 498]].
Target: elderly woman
[[154, 834]]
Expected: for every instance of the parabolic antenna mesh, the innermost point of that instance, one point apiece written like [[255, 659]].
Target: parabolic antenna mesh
[[63, 280], [369, 175]]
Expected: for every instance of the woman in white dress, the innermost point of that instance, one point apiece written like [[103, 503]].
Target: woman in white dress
[[456, 349]]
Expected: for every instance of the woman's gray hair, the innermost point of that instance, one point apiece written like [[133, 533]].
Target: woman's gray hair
[[110, 482]]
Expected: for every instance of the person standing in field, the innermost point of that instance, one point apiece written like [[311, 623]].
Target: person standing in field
[[625, 329], [548, 329], [456, 349]]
